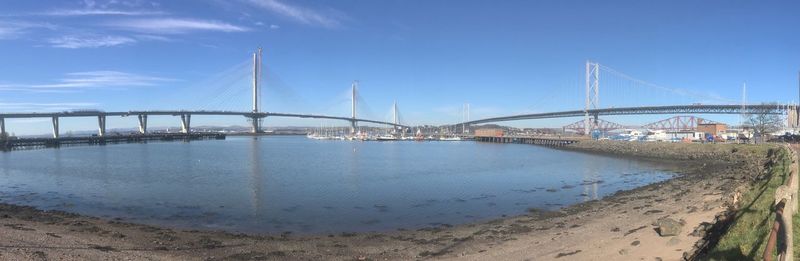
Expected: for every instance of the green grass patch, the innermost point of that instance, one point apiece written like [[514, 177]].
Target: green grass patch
[[796, 235], [746, 238]]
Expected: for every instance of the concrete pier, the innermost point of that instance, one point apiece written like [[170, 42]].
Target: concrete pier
[[35, 143], [551, 141], [101, 122], [55, 127], [142, 123], [256, 121], [3, 134], [186, 120]]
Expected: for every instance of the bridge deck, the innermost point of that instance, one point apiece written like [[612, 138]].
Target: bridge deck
[[186, 112], [672, 109]]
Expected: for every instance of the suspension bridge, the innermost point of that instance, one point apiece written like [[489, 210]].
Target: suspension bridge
[[592, 110]]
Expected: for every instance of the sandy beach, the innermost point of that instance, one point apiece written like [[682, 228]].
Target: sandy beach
[[618, 227]]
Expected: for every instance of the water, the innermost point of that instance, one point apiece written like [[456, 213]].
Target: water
[[278, 184]]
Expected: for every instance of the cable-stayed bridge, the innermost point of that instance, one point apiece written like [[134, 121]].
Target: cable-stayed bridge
[[255, 116], [628, 101]]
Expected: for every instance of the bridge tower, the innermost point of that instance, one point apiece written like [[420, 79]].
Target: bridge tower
[[394, 115], [55, 127], [255, 118], [3, 134], [465, 118], [592, 95], [142, 123], [101, 122], [353, 97]]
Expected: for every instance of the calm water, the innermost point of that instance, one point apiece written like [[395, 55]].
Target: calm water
[[278, 184]]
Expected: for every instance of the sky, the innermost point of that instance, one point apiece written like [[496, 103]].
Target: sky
[[431, 57]]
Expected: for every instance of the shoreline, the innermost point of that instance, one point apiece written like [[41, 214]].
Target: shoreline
[[617, 226]]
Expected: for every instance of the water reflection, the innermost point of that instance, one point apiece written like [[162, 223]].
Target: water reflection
[[277, 184], [255, 177]]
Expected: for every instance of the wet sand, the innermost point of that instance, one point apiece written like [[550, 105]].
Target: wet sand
[[618, 227]]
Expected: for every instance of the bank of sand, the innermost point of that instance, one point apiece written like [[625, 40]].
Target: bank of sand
[[618, 227]]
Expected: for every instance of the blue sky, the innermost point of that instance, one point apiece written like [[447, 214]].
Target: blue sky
[[502, 57]]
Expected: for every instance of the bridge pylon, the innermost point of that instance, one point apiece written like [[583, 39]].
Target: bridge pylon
[[255, 119], [142, 123], [353, 99], [186, 123], [592, 96], [3, 134], [55, 127], [101, 122]]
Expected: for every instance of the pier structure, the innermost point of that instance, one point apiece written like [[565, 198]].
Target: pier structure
[[32, 143], [550, 141]]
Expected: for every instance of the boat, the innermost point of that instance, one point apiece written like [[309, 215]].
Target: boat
[[628, 135], [419, 136], [656, 135], [386, 138]]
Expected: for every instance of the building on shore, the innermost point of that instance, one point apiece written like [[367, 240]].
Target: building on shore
[[489, 132], [716, 129]]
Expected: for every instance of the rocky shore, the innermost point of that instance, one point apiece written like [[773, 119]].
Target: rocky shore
[[625, 226]]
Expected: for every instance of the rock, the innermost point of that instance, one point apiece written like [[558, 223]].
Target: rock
[[700, 230], [623, 251], [668, 227], [673, 241]]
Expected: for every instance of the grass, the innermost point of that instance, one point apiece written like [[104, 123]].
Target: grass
[[796, 236], [747, 236]]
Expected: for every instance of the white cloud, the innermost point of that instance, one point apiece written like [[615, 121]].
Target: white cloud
[[15, 29], [43, 107], [25, 105], [91, 80], [174, 25], [89, 41], [269, 26], [297, 13], [98, 12], [149, 37]]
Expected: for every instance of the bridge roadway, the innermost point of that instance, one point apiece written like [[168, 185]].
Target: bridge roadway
[[184, 114], [672, 109]]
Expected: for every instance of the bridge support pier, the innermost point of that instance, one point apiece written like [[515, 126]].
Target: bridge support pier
[[186, 120], [353, 127], [101, 122], [256, 124], [142, 123], [55, 127], [3, 134], [793, 117]]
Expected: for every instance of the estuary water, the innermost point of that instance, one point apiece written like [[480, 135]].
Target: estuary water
[[275, 184]]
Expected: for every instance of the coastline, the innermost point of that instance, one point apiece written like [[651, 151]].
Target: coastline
[[616, 227]]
